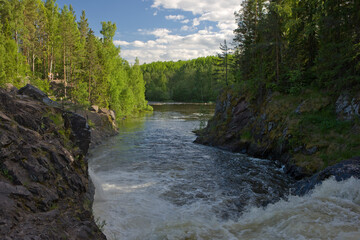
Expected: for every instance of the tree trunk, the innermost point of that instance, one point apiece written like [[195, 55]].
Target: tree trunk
[[89, 84], [277, 59], [65, 82], [33, 64]]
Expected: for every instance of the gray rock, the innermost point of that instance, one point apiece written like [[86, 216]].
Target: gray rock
[[347, 108], [81, 133], [298, 109], [9, 189], [10, 88], [112, 115], [271, 126], [44, 185], [311, 151], [104, 111], [37, 94], [94, 108], [298, 149], [341, 171]]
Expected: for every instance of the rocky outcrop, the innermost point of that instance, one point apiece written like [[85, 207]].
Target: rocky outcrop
[[341, 171], [44, 181], [37, 94], [306, 133], [102, 125], [347, 107]]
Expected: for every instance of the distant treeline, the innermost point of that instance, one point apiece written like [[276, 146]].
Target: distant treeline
[[197, 80], [40, 42], [292, 44], [285, 46]]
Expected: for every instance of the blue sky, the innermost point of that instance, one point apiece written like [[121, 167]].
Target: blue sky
[[163, 30]]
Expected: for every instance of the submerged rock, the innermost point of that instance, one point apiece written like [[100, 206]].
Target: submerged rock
[[44, 180], [341, 171]]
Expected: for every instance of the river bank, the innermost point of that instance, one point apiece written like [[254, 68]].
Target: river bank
[[46, 192], [306, 133]]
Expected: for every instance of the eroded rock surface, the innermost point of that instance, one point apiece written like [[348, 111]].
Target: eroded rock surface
[[44, 181]]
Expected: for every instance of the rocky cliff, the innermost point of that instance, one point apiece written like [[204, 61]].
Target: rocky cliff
[[45, 191], [306, 133]]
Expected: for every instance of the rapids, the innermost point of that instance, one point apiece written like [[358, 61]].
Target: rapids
[[153, 182]]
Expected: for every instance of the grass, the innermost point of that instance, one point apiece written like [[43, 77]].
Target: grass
[[100, 223], [246, 136], [56, 118], [324, 122], [91, 124], [6, 174]]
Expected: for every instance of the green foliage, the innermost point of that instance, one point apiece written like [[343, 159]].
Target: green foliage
[[6, 174], [40, 42], [80, 93], [289, 45], [325, 121], [186, 81], [91, 124], [43, 85], [246, 136], [57, 119]]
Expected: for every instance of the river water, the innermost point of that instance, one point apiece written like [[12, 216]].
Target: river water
[[153, 182]]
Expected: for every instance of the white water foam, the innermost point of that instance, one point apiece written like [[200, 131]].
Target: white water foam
[[330, 211]]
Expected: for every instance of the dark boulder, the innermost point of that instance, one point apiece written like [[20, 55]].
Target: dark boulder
[[341, 171], [81, 133], [37, 94]]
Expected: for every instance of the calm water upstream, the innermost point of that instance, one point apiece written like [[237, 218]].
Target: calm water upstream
[[153, 182]]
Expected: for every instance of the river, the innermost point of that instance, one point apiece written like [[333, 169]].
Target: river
[[153, 182]]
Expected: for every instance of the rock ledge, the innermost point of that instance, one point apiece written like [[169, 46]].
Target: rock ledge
[[45, 191]]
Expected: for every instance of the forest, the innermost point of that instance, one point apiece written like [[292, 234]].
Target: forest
[[285, 46], [279, 45], [42, 44], [289, 45], [197, 80]]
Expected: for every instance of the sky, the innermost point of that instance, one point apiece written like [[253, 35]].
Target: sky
[[163, 30]]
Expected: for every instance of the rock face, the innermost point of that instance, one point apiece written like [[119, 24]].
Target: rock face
[[341, 171], [45, 192], [305, 133], [102, 126]]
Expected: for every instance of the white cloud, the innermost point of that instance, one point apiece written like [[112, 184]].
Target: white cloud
[[204, 42], [196, 22], [160, 32], [185, 28], [168, 46], [121, 43], [175, 17], [221, 12]]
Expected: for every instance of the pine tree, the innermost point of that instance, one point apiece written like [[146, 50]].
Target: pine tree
[[51, 38]]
